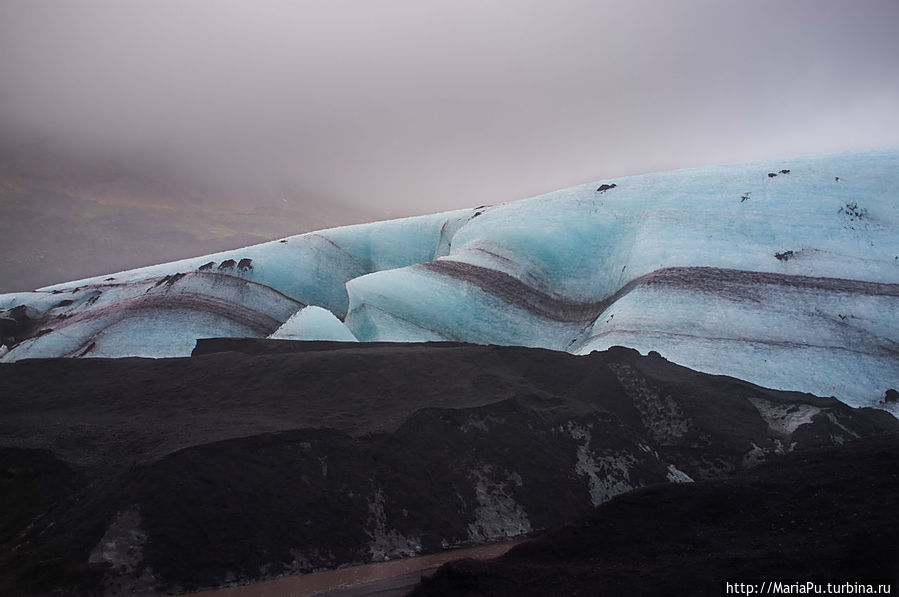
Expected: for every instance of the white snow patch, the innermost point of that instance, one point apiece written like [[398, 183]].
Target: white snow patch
[[607, 476], [661, 415], [675, 475], [754, 457], [473, 423], [779, 447], [387, 543], [122, 544], [832, 418], [498, 515], [784, 418], [122, 549]]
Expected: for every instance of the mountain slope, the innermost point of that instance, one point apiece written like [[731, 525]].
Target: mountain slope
[[258, 458], [825, 515]]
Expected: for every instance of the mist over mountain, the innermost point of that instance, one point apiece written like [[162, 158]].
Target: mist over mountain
[[65, 215], [136, 134]]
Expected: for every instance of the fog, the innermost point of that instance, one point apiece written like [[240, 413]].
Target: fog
[[420, 106]]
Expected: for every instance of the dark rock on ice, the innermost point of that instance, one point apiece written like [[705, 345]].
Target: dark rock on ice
[[785, 256], [15, 324], [174, 278]]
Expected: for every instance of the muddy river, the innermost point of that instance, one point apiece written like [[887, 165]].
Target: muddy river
[[385, 579]]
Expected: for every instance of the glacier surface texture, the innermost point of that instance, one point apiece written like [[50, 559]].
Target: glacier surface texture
[[784, 273]]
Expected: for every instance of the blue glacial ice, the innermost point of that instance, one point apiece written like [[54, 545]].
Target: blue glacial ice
[[789, 281], [313, 323]]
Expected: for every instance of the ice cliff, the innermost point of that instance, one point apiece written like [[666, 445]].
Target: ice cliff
[[784, 273]]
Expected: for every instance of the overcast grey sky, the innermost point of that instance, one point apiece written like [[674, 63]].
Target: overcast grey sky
[[417, 106]]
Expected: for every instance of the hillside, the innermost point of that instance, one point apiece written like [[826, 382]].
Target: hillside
[[260, 458]]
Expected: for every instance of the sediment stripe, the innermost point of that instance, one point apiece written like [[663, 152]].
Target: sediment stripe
[[877, 351], [737, 284], [515, 292], [719, 280], [163, 299]]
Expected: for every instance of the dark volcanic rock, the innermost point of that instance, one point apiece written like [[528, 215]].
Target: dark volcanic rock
[[784, 256], [40, 496], [15, 324], [260, 346], [261, 458], [825, 514]]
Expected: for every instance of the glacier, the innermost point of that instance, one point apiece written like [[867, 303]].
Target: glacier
[[313, 323], [784, 273]]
